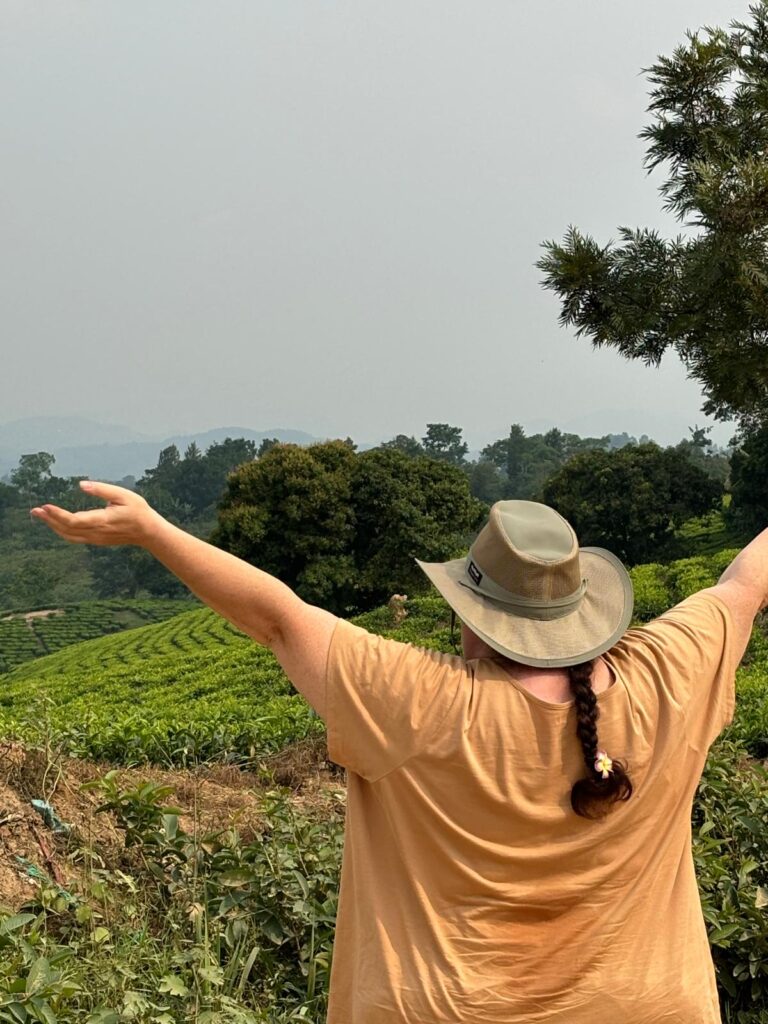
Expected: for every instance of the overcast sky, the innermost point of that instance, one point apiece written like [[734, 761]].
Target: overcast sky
[[323, 215]]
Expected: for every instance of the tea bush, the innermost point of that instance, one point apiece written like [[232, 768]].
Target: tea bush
[[22, 639], [190, 927], [730, 845], [210, 928]]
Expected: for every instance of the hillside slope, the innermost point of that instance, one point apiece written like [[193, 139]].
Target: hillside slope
[[35, 633], [194, 688]]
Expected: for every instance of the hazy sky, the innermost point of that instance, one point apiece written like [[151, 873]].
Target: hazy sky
[[323, 215]]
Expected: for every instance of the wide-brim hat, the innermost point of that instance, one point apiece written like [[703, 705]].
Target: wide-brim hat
[[531, 593]]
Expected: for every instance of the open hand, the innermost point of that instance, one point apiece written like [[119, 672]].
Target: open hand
[[127, 519]]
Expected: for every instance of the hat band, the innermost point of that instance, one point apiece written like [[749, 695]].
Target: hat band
[[526, 607]]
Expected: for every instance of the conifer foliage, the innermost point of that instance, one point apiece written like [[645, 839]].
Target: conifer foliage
[[703, 294]]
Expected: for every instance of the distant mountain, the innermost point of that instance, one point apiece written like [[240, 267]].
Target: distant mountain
[[33, 433], [106, 451]]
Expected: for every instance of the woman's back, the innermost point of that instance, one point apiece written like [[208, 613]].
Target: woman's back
[[471, 891]]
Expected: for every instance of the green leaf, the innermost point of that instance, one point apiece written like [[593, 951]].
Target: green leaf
[[171, 825], [302, 883], [746, 870], [213, 974], [721, 934], [44, 1012], [236, 877], [173, 985], [39, 975], [273, 930], [12, 924]]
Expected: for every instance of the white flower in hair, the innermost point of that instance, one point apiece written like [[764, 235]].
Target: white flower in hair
[[603, 764]]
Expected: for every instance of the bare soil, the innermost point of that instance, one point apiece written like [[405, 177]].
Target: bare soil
[[44, 614], [211, 799]]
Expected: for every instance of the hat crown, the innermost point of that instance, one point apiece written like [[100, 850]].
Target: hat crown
[[529, 550]]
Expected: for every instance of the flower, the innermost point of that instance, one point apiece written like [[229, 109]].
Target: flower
[[603, 764]]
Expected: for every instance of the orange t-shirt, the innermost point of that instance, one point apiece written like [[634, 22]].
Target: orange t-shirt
[[470, 892]]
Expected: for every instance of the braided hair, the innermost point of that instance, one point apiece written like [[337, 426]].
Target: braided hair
[[593, 796]]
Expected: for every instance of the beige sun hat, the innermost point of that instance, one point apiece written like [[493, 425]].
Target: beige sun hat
[[531, 593]]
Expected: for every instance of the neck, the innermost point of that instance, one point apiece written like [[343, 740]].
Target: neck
[[473, 647]]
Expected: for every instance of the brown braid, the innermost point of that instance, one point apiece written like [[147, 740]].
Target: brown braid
[[593, 796]]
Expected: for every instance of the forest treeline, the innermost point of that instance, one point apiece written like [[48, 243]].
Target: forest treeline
[[343, 527]]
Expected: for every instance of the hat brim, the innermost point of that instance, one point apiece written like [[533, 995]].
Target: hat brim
[[593, 627]]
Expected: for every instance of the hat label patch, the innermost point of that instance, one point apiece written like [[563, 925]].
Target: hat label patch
[[474, 574]]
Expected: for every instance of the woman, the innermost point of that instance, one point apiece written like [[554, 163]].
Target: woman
[[518, 842]]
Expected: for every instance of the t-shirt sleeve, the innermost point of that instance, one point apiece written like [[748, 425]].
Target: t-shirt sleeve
[[696, 649], [386, 701]]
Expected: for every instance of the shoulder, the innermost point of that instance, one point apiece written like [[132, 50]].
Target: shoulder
[[709, 628], [353, 646]]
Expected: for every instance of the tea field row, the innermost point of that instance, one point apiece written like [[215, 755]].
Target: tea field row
[[25, 635]]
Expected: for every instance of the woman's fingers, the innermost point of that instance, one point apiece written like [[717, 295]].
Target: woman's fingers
[[54, 515], [54, 522], [126, 519], [70, 522], [110, 492]]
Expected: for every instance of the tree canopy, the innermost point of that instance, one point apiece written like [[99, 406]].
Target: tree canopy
[[749, 481], [188, 488], [704, 294], [527, 462], [631, 500], [343, 528]]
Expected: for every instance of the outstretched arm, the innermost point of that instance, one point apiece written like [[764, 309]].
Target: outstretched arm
[[744, 585], [260, 605]]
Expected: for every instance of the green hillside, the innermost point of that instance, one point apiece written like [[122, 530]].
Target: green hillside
[[194, 687], [190, 688], [35, 633], [708, 534], [186, 689]]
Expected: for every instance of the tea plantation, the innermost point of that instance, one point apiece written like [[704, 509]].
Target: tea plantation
[[194, 688], [34, 633], [229, 930]]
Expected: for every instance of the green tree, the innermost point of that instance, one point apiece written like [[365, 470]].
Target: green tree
[[704, 294], [700, 450], [631, 500], [33, 475], [528, 462], [406, 507], [127, 571], [33, 582], [289, 513], [187, 489], [486, 481], [749, 481], [344, 528], [443, 442], [404, 443], [184, 490], [159, 483], [509, 455], [9, 497], [267, 444]]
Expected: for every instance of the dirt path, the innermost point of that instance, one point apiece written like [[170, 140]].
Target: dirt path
[[28, 617]]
